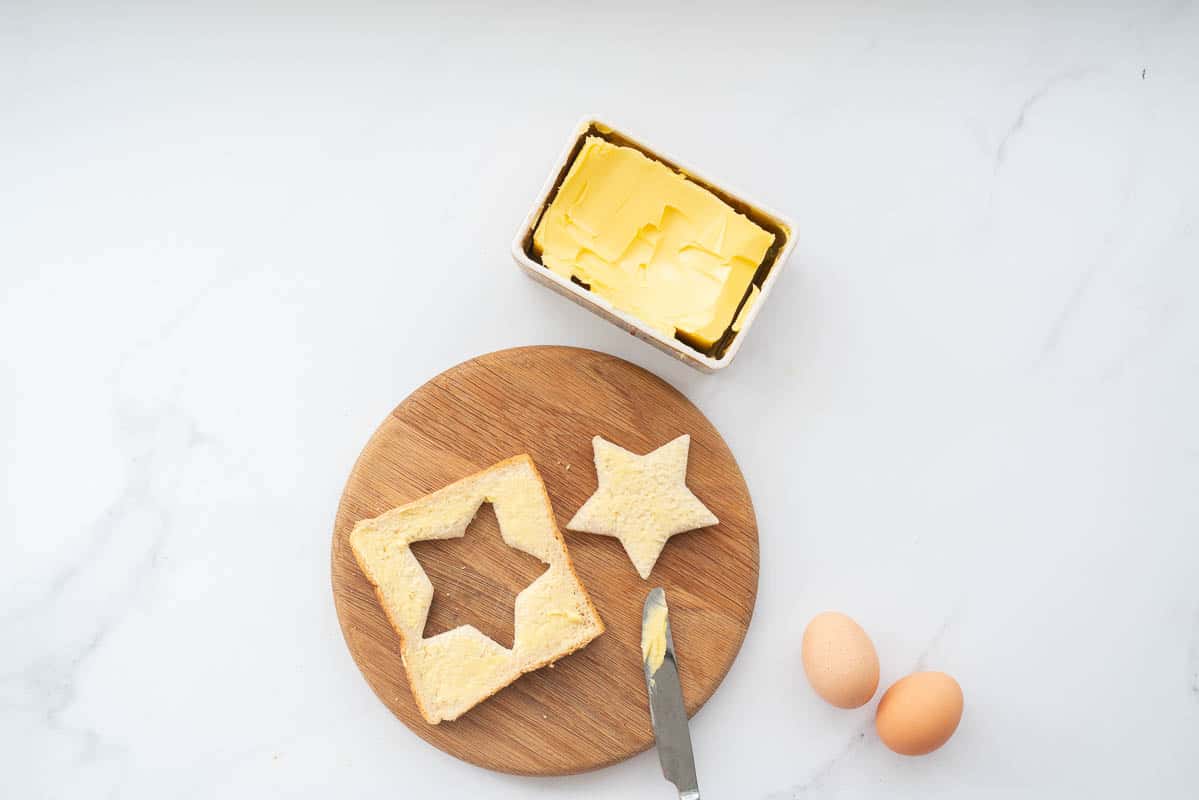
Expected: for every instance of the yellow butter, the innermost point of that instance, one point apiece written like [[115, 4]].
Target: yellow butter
[[653, 638], [653, 243], [739, 322]]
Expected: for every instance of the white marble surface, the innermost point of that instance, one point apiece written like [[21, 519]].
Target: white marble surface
[[232, 239]]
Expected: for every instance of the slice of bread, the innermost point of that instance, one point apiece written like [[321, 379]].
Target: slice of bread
[[453, 671]]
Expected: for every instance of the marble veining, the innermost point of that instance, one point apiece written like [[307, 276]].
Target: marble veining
[[1001, 152]]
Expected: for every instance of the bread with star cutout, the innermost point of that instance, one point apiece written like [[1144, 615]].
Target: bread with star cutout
[[453, 671]]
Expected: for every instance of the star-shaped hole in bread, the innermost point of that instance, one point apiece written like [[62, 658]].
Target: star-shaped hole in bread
[[476, 579], [642, 500]]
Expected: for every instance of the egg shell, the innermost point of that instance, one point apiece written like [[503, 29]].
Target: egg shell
[[840, 660], [919, 713]]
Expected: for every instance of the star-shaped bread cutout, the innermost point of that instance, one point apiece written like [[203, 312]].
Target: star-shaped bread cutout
[[642, 500]]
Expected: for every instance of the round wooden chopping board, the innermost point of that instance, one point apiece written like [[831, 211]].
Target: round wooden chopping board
[[590, 709]]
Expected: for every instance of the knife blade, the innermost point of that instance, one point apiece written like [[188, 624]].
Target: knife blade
[[666, 711]]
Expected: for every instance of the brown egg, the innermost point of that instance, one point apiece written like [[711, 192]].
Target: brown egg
[[919, 713], [839, 660]]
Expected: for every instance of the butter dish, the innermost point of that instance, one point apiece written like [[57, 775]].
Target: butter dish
[[740, 249]]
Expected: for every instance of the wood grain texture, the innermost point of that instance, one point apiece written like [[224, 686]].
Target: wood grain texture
[[589, 710]]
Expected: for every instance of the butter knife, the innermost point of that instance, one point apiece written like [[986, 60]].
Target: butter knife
[[666, 711]]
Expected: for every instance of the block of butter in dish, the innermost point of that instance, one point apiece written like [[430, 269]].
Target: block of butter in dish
[[652, 246]]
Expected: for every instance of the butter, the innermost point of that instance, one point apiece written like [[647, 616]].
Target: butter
[[653, 638], [739, 322], [651, 242]]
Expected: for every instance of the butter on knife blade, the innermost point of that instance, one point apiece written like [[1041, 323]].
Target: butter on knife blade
[[653, 636], [667, 713]]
